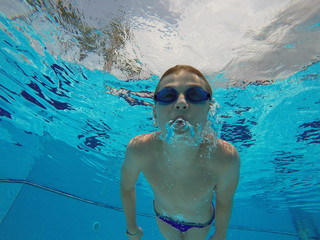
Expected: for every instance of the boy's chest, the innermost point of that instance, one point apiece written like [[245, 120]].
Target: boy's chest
[[185, 183]]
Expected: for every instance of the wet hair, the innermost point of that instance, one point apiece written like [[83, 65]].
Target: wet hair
[[179, 68]]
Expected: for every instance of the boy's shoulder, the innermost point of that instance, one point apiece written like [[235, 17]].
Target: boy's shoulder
[[143, 143], [141, 149], [228, 153], [143, 139]]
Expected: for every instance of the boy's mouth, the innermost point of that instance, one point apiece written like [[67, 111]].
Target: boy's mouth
[[179, 121], [180, 124]]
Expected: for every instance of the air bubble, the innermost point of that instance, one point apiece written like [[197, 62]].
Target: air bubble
[[96, 226]]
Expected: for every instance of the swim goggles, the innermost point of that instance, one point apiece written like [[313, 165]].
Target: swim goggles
[[192, 94]]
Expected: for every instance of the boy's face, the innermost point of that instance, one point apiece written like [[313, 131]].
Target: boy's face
[[194, 113]]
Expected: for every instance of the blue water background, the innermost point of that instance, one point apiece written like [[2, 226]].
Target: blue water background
[[63, 136]]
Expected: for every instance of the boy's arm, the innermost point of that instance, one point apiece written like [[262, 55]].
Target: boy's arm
[[129, 176], [225, 189]]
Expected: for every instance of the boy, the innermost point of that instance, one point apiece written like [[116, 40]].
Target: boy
[[183, 166]]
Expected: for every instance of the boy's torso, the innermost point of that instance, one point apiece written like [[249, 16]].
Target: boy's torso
[[183, 190]]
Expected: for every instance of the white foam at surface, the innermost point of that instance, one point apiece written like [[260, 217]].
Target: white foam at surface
[[248, 40]]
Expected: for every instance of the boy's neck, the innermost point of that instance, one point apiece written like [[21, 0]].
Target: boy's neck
[[180, 152]]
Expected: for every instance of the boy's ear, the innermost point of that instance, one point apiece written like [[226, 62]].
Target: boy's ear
[[154, 113], [154, 116]]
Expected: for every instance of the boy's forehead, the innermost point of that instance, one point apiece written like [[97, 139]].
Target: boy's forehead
[[182, 78]]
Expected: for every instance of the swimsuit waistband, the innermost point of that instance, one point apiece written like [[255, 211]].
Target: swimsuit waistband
[[183, 222]]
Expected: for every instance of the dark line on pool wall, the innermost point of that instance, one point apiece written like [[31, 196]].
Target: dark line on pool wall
[[19, 181], [120, 209]]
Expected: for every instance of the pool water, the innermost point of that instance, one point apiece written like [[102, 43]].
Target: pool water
[[65, 123]]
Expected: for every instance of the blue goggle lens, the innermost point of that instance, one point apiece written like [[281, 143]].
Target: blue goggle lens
[[193, 94]]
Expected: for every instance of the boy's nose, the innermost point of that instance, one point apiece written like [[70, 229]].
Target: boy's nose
[[181, 103]]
